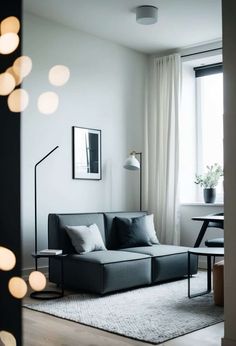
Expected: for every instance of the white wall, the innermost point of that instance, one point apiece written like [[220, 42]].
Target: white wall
[[105, 91]]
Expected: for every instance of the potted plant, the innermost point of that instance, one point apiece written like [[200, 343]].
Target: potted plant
[[209, 181]]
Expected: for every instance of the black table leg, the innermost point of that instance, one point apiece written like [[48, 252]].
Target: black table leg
[[201, 233], [208, 278], [208, 274], [189, 274], [62, 277]]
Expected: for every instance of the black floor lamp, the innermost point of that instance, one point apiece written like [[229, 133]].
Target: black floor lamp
[[132, 164], [35, 205]]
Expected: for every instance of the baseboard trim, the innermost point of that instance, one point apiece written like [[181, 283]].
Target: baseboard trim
[[26, 271], [228, 342]]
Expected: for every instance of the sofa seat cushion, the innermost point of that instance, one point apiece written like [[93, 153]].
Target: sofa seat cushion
[[168, 261], [158, 250], [103, 271], [108, 256]]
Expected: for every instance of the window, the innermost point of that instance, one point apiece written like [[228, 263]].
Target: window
[[209, 119], [201, 124]]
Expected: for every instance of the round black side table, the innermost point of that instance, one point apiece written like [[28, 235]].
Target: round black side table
[[209, 252], [50, 294]]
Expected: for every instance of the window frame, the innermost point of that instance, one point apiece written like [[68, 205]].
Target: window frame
[[202, 71]]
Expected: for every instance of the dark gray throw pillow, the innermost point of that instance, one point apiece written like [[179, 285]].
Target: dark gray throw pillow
[[131, 232]]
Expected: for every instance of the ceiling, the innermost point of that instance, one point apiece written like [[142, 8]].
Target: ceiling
[[181, 23]]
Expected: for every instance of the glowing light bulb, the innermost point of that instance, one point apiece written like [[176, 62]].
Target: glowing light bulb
[[17, 287], [8, 43], [10, 24], [7, 259], [37, 281], [48, 102], [59, 75], [18, 100], [7, 83]]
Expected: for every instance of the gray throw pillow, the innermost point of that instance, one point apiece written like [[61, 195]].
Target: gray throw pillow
[[85, 238], [150, 228]]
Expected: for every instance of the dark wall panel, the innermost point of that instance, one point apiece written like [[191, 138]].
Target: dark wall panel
[[10, 233]]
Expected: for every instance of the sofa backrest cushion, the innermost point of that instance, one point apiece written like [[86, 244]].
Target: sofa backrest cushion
[[112, 241], [57, 235]]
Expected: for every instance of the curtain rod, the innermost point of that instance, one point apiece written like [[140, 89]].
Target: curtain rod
[[204, 51]]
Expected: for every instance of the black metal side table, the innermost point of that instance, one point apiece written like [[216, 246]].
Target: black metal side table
[[208, 252], [50, 294]]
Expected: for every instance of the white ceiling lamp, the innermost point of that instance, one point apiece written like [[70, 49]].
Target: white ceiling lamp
[[146, 14]]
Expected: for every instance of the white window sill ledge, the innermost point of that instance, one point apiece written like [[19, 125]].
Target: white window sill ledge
[[217, 204]]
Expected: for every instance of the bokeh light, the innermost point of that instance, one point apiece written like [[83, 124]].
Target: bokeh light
[[59, 75], [22, 66], [7, 259], [17, 287], [8, 43], [37, 281], [10, 24], [48, 102], [7, 339], [17, 78], [7, 83], [18, 100]]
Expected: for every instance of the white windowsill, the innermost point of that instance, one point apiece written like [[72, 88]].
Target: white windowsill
[[217, 204]]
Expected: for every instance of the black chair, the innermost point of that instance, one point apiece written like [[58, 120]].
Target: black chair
[[216, 242]]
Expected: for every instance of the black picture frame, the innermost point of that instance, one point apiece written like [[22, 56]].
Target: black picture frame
[[86, 152]]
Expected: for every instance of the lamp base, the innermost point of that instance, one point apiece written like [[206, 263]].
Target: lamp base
[[45, 295]]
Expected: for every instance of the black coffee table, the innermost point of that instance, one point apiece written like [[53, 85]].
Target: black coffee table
[[209, 253]]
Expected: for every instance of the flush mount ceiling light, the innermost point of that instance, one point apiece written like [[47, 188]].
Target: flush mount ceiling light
[[146, 14]]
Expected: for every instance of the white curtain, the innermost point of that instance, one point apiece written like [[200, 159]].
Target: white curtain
[[161, 159]]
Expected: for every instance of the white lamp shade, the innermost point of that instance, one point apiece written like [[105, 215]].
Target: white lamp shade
[[132, 163]]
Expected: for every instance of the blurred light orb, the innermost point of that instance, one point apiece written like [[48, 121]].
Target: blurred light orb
[[18, 100], [17, 78], [48, 102], [59, 75], [10, 24], [37, 281], [7, 83], [22, 66], [7, 339], [17, 287], [8, 43], [7, 259]]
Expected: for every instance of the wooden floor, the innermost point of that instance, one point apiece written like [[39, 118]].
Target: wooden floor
[[44, 330], [40, 329]]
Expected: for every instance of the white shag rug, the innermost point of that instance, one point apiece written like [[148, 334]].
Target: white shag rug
[[153, 314]]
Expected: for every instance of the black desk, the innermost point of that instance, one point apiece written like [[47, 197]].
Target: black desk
[[208, 221]]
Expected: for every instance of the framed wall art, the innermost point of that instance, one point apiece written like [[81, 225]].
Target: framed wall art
[[86, 147]]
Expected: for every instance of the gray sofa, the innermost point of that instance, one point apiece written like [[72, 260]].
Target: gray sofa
[[111, 270]]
